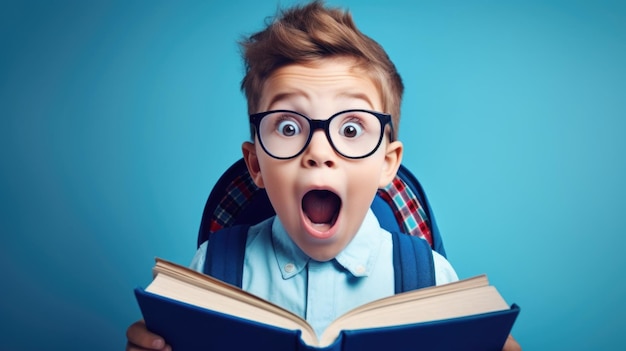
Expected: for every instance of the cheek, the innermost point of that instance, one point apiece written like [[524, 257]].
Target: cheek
[[279, 185], [363, 184], [275, 175], [361, 194]]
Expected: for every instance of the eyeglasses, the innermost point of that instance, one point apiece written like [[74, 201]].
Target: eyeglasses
[[353, 134]]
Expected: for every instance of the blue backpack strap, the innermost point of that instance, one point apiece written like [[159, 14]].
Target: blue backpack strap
[[413, 263], [225, 254]]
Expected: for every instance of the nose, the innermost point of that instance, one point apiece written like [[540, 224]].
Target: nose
[[319, 152]]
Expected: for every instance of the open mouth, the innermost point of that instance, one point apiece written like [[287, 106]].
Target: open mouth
[[321, 207]]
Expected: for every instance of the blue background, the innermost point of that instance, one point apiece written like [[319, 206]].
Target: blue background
[[118, 117]]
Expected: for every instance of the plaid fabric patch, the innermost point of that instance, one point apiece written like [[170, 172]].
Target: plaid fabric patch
[[408, 211], [237, 195]]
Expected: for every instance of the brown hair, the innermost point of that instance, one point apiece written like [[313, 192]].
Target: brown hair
[[311, 32]]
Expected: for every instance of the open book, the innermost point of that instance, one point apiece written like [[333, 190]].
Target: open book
[[181, 305]]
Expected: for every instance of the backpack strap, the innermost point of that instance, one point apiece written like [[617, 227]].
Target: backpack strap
[[413, 263], [225, 254]]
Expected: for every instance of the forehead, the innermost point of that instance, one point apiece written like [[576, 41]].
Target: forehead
[[334, 81]]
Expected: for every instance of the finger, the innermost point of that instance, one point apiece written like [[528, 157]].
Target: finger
[[511, 344], [131, 347], [140, 338]]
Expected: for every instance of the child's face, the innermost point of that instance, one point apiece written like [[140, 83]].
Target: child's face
[[321, 197]]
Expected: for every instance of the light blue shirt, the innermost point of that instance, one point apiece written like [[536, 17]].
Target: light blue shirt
[[278, 271]]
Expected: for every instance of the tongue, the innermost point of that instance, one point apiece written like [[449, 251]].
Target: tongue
[[321, 206]]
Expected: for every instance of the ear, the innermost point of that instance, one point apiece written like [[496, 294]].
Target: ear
[[393, 159], [252, 162]]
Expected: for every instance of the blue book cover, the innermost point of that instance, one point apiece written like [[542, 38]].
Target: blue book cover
[[229, 318]]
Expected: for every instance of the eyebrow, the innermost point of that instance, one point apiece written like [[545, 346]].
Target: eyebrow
[[284, 96], [358, 96]]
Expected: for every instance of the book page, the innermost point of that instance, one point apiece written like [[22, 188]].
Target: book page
[[182, 284], [417, 308], [469, 283]]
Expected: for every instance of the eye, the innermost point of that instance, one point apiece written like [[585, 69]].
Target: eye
[[288, 128], [351, 129]]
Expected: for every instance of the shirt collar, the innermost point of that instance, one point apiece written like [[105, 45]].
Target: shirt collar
[[358, 257]]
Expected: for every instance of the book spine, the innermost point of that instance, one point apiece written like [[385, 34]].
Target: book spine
[[335, 346]]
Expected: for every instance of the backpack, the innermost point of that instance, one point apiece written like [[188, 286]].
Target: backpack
[[235, 203]]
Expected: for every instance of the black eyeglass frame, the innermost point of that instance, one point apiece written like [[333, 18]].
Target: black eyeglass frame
[[324, 124]]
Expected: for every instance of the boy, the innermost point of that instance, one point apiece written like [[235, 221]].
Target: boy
[[316, 89]]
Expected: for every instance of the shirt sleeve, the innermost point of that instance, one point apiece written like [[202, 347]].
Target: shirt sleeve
[[444, 273], [197, 263]]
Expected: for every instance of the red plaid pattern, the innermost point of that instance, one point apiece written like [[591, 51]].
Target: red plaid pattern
[[237, 195], [407, 210]]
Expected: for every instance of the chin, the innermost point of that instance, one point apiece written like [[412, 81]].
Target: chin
[[322, 253], [327, 245]]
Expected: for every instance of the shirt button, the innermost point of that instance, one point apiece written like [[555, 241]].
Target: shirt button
[[289, 267], [360, 269]]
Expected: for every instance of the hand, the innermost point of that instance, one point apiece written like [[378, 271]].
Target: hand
[[511, 344], [140, 339]]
